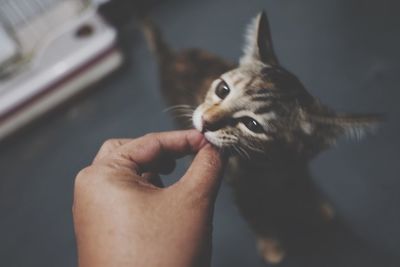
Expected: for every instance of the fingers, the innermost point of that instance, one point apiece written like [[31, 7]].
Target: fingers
[[156, 153], [144, 152], [203, 176], [164, 164]]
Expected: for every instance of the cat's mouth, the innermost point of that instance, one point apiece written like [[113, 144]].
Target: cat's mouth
[[211, 137], [224, 143]]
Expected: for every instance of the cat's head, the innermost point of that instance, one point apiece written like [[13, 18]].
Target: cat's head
[[259, 104]]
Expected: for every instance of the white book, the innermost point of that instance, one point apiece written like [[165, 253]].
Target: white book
[[77, 53]]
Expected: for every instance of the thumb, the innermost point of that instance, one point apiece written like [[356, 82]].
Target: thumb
[[204, 174]]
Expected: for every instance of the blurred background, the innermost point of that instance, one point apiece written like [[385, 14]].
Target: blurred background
[[346, 52]]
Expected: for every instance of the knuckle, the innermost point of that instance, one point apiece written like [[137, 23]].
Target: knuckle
[[84, 172], [110, 143], [83, 176]]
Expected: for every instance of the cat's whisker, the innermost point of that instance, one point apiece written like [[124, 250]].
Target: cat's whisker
[[181, 109], [237, 150], [243, 153], [182, 112], [183, 116], [186, 120], [178, 107], [253, 148], [188, 117], [189, 122]]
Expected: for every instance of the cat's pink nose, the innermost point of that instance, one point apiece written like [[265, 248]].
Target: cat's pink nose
[[207, 127], [212, 126]]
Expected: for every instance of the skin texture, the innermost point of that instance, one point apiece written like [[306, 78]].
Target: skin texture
[[122, 219]]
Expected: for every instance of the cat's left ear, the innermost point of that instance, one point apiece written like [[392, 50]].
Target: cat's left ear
[[329, 127], [258, 46]]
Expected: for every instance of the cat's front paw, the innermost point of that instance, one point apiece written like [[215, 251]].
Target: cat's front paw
[[327, 211], [271, 250]]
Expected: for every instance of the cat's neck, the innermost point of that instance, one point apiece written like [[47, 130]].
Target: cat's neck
[[273, 166]]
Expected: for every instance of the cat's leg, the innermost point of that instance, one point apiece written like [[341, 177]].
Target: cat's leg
[[327, 211], [270, 249]]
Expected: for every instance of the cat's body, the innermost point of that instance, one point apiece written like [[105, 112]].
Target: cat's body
[[185, 76], [268, 167]]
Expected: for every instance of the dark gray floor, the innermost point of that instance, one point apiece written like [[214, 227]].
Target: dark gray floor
[[345, 51]]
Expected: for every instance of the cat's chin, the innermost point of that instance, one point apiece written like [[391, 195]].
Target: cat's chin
[[213, 139]]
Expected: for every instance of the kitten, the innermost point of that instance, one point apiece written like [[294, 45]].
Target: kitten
[[270, 125]]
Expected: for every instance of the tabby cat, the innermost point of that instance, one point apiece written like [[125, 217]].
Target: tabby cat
[[261, 115]]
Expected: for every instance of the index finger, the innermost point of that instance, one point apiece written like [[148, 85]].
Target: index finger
[[144, 151]]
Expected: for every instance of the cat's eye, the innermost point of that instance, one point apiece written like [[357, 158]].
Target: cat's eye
[[252, 124], [222, 90]]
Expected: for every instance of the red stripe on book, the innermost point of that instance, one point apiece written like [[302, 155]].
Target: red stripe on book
[[52, 87]]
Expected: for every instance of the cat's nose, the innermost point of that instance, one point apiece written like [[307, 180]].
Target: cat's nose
[[210, 126]]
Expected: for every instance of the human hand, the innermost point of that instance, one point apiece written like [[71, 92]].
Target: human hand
[[122, 219]]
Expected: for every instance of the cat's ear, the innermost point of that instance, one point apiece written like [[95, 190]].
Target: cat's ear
[[258, 46], [329, 127]]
